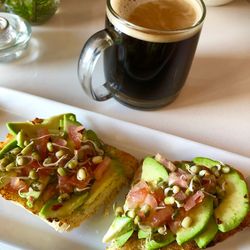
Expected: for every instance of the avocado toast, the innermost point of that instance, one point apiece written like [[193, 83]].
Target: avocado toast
[[180, 205], [61, 171]]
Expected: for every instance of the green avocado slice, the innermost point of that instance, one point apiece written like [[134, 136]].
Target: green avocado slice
[[121, 240], [119, 226], [203, 239], [153, 244], [115, 171], [203, 161], [235, 205], [200, 216], [9, 146], [70, 116], [153, 171], [143, 234], [53, 209], [53, 123]]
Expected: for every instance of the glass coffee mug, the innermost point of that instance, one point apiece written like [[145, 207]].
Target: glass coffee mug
[[148, 48]]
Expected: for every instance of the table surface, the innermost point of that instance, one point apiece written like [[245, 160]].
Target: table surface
[[213, 107]]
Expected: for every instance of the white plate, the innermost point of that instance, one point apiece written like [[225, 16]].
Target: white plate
[[21, 230]]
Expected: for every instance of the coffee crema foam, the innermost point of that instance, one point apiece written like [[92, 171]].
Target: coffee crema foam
[[182, 14], [163, 15]]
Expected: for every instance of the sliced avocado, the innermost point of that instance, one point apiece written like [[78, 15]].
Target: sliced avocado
[[55, 122], [121, 240], [15, 127], [143, 234], [153, 171], [203, 239], [119, 226], [203, 161], [29, 128], [114, 171], [70, 116], [54, 209], [200, 216], [9, 146], [153, 244], [5, 177], [235, 205]]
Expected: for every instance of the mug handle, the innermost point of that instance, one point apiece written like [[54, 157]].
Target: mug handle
[[89, 56]]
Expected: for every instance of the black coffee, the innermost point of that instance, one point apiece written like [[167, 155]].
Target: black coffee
[[149, 71]]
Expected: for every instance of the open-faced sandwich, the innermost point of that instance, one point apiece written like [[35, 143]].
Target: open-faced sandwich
[[59, 170], [180, 205]]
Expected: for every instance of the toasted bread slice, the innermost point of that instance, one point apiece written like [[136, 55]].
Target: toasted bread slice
[[102, 191], [148, 181]]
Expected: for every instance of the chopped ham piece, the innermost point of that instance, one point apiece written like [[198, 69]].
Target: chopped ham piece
[[180, 178], [193, 200], [75, 134], [209, 183], [180, 196], [168, 164]]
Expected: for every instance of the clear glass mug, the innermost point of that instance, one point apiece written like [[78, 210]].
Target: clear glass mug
[[144, 68]]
